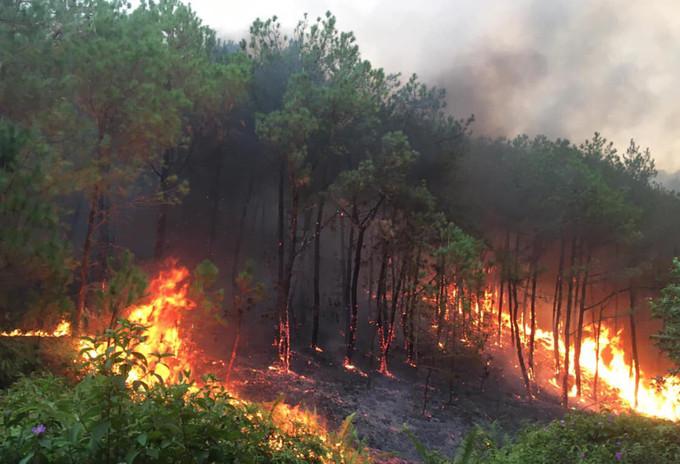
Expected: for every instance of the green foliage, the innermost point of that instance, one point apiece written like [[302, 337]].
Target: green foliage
[[125, 285], [667, 308], [248, 291], [16, 360], [204, 292], [596, 439], [35, 260], [104, 419], [580, 437]]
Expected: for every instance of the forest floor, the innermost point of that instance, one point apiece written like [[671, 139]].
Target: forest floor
[[385, 405]]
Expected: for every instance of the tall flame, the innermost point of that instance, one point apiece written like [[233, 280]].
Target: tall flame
[[608, 363]]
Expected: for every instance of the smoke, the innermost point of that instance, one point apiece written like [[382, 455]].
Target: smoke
[[567, 69], [564, 68]]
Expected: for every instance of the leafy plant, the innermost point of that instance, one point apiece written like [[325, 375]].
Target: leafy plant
[[105, 418]]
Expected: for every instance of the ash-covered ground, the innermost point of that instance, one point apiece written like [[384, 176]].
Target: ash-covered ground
[[385, 406]]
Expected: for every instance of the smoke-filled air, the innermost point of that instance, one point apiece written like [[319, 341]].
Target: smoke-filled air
[[324, 232]]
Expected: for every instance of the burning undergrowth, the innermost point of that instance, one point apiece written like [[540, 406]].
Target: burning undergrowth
[[179, 308], [154, 346]]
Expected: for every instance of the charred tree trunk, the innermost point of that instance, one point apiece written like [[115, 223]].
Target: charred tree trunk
[[557, 307], [85, 261], [633, 341], [215, 205], [503, 275], [381, 302], [567, 325], [351, 342], [396, 292], [163, 209], [347, 292], [514, 314], [518, 343], [238, 243], [317, 271], [532, 336], [237, 339], [598, 332], [282, 297], [579, 326], [411, 309], [500, 308]]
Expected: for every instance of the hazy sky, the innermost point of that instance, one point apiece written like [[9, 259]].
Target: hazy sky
[[560, 67]]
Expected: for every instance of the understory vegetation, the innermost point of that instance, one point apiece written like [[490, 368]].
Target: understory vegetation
[[102, 417], [580, 438]]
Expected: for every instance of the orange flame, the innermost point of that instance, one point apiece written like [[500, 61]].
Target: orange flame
[[63, 329], [616, 378]]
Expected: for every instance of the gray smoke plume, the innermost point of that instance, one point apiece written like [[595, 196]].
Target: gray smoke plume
[[564, 68]]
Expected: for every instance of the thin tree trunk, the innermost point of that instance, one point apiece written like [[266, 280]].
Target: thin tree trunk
[[351, 343], [282, 298], [237, 338], [347, 292], [316, 311], [567, 326], [596, 378], [518, 342], [579, 327], [381, 301], [215, 205], [162, 220], [85, 261], [238, 243], [514, 307], [411, 308], [557, 307], [532, 336], [396, 291], [633, 342]]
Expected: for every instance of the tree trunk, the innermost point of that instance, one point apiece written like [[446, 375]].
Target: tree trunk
[[567, 326], [356, 268], [347, 292], [85, 262], [532, 336], [596, 378], [579, 327], [162, 220], [215, 205], [317, 270], [238, 242], [557, 307], [518, 343], [633, 341], [381, 302], [396, 292], [237, 338], [282, 297], [503, 275]]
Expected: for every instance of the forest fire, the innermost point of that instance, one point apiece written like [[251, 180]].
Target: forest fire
[[608, 378], [164, 313]]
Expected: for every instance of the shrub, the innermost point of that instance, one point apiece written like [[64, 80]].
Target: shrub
[[580, 438], [105, 419]]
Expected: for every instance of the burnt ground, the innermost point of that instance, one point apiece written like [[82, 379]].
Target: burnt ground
[[384, 406]]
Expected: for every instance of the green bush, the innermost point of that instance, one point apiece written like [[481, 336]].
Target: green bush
[[104, 419], [596, 439], [580, 438]]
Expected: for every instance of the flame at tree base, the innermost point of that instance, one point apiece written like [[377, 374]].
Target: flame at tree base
[[165, 313]]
